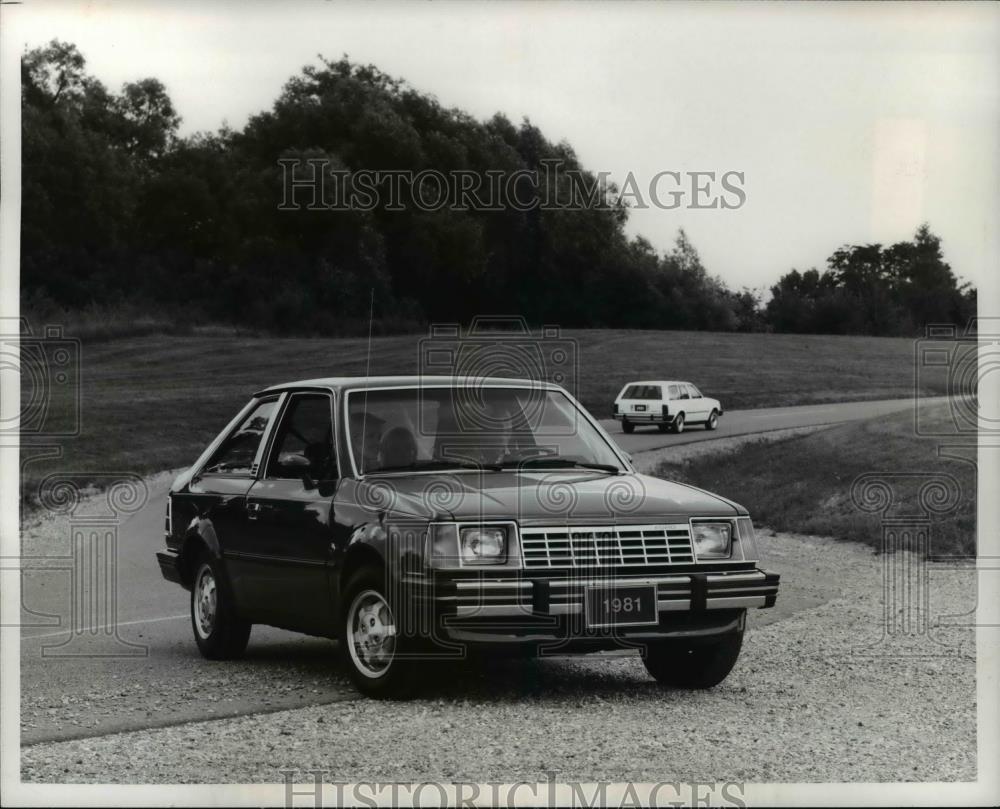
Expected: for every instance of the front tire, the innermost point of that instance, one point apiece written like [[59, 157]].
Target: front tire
[[369, 638], [713, 421], [219, 632], [627, 426], [692, 664]]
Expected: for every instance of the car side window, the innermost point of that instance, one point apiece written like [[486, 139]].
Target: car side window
[[675, 392], [238, 452], [695, 393], [303, 443]]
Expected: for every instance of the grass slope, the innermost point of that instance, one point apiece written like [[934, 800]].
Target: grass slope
[[153, 401], [804, 483]]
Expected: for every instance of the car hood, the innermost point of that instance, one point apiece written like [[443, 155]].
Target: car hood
[[543, 497]]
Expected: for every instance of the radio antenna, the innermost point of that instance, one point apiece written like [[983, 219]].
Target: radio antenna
[[371, 320], [368, 373]]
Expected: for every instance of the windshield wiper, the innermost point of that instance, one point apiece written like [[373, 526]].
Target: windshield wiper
[[554, 462], [427, 466]]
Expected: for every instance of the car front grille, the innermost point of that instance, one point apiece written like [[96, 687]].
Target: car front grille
[[606, 546]]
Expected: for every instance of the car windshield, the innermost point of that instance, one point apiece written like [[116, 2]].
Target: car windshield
[[475, 427]]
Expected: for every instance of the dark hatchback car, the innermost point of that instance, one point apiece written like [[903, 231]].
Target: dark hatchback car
[[418, 518]]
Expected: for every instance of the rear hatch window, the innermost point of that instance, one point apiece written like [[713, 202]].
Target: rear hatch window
[[643, 392]]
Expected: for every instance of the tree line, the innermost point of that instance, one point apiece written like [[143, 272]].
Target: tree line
[[118, 208]]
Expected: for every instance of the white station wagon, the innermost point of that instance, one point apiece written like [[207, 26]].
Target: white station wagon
[[668, 405]]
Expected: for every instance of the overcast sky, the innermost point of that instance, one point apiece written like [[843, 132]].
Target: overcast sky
[[852, 123]]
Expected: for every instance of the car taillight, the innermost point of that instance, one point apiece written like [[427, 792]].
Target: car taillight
[[167, 522], [614, 408], [666, 411]]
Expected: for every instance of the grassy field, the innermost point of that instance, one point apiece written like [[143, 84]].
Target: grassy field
[[804, 484], [153, 401]]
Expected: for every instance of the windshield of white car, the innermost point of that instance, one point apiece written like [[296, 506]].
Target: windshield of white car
[[399, 430]]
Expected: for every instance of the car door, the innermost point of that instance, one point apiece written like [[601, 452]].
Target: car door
[[698, 405], [291, 509], [219, 488], [672, 394]]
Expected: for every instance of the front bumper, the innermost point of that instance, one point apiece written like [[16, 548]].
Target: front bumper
[[170, 565], [688, 592], [552, 608]]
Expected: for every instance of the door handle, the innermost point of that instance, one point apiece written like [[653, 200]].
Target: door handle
[[253, 510]]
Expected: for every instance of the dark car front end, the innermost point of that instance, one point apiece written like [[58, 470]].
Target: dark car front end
[[558, 579]]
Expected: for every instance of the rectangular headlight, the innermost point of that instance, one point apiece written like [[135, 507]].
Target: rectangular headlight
[[712, 540], [483, 545]]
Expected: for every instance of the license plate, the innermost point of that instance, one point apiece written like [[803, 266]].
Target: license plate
[[639, 408], [621, 606]]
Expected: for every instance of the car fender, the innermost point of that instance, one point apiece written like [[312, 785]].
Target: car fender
[[199, 535], [367, 545]]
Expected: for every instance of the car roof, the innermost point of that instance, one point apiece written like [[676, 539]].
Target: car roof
[[404, 381], [657, 382]]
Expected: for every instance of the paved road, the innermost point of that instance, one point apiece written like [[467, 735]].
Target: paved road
[[148, 673], [763, 420]]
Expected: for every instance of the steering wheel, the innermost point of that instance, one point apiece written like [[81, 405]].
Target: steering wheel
[[524, 453]]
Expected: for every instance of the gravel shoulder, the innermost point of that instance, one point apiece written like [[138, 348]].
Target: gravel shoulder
[[818, 696]]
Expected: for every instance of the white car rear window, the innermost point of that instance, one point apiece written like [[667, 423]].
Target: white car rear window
[[643, 392]]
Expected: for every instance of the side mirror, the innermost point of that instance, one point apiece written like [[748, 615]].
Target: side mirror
[[326, 488], [294, 464]]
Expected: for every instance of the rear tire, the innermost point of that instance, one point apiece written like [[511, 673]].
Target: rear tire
[[678, 425], [369, 641], [713, 421], [692, 664], [627, 426], [219, 632]]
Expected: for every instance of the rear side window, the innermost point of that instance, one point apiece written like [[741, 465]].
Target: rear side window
[[238, 452], [643, 392], [304, 440], [675, 392]]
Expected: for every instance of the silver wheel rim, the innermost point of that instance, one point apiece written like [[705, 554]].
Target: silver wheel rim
[[371, 634], [713, 420], [680, 424], [205, 603]]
